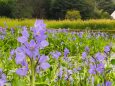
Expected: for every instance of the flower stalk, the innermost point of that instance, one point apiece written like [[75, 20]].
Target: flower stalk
[[32, 73]]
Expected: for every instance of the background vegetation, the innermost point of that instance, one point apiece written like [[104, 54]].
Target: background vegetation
[[92, 24], [56, 9]]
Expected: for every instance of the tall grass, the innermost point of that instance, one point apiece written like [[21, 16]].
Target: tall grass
[[100, 24]]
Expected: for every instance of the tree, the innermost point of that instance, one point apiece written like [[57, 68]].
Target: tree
[[22, 9], [107, 5], [6, 7], [59, 7], [40, 8]]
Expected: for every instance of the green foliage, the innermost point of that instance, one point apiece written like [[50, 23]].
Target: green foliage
[[57, 41], [113, 61], [93, 24], [55, 9], [107, 5], [22, 9], [72, 15], [100, 14], [59, 7], [6, 7]]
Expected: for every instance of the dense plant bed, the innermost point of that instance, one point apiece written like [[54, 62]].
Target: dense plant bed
[[103, 24], [38, 56]]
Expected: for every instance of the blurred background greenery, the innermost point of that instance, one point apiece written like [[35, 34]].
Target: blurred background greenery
[[57, 9]]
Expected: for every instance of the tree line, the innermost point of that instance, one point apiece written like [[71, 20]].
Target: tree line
[[55, 9]]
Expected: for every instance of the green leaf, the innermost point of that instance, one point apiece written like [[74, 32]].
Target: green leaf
[[113, 61], [42, 84]]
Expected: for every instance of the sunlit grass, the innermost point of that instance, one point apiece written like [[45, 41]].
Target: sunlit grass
[[100, 24]]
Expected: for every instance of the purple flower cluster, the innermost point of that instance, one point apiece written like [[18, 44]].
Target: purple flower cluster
[[65, 74], [2, 78], [85, 55], [30, 48], [107, 83], [80, 34], [43, 64], [66, 52], [12, 30], [87, 49], [96, 68], [97, 65], [107, 49], [2, 33], [56, 54]]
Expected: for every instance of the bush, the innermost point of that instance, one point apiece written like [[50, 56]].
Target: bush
[[73, 15]]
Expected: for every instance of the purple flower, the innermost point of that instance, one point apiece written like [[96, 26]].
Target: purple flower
[[107, 49], [1, 37], [66, 52], [98, 85], [80, 34], [2, 78], [60, 73], [76, 70], [20, 55], [87, 49], [43, 59], [69, 72], [2, 83], [0, 70], [55, 54], [84, 55], [96, 68], [12, 30], [22, 71], [45, 65], [2, 33], [43, 44], [25, 32], [39, 31], [93, 59], [39, 28], [22, 39], [99, 57], [31, 49], [39, 24], [108, 83], [100, 68], [92, 69], [11, 54], [42, 63], [24, 63]]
